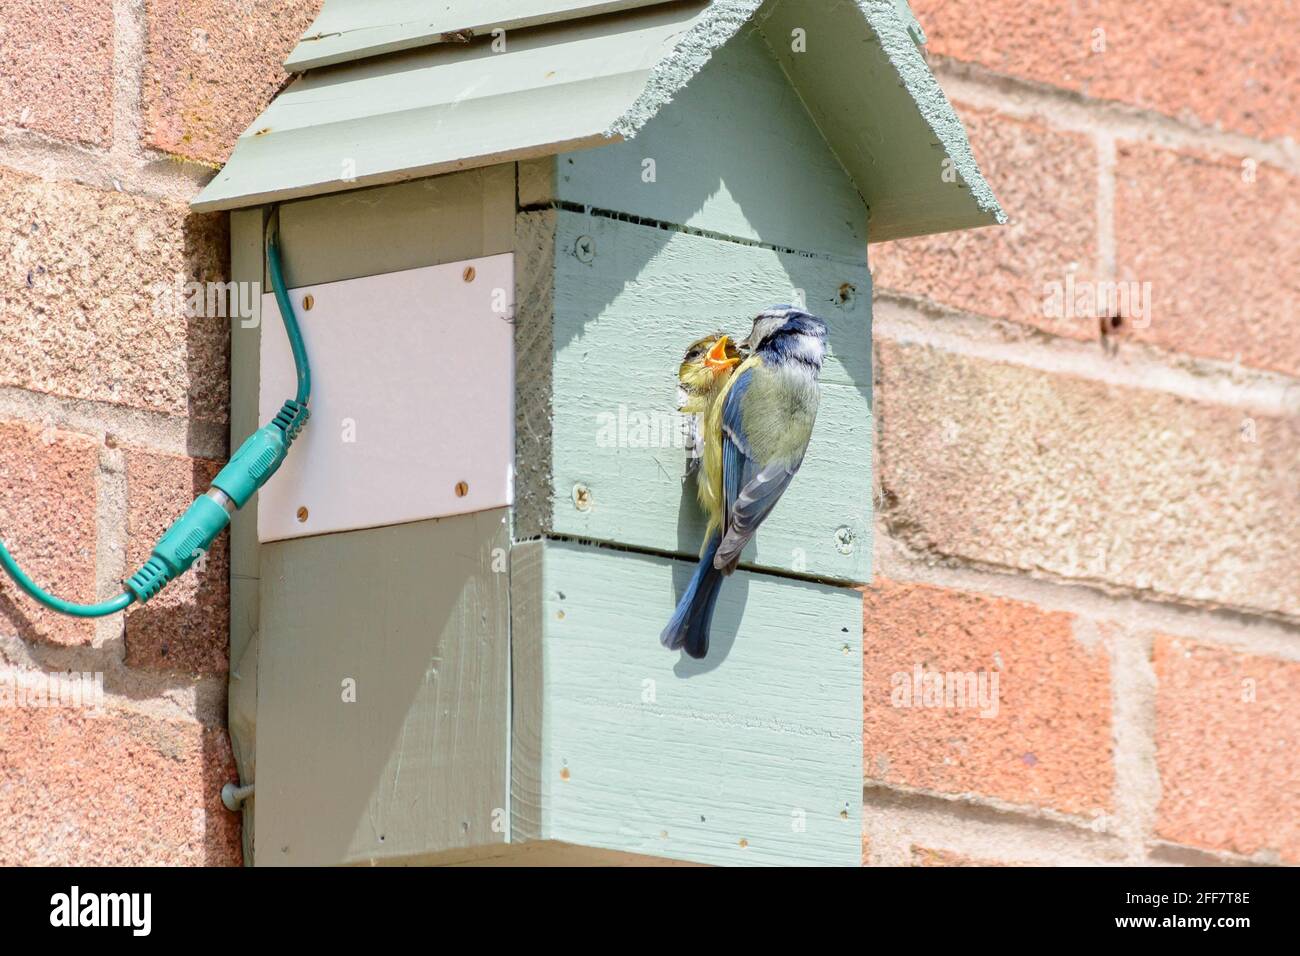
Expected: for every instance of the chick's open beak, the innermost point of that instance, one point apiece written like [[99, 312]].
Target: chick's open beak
[[717, 359]]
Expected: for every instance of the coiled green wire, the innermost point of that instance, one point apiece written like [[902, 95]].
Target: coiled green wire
[[123, 600]]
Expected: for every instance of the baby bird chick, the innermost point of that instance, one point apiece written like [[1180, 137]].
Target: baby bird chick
[[704, 371]]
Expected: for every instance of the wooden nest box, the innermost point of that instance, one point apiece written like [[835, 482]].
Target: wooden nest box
[[502, 224]]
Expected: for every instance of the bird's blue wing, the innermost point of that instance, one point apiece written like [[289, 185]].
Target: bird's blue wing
[[737, 467], [750, 492]]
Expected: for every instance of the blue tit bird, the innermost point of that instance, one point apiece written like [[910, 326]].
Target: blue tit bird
[[707, 365], [755, 437]]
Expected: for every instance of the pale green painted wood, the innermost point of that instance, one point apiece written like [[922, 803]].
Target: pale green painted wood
[[616, 328], [537, 853], [325, 239], [345, 30], [623, 745], [596, 80], [734, 153], [884, 114], [447, 107], [393, 228], [527, 691], [246, 266], [417, 614]]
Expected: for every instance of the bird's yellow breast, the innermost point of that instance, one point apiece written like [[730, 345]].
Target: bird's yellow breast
[[709, 480]]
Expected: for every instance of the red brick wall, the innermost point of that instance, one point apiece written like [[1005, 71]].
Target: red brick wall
[[1110, 523], [114, 411]]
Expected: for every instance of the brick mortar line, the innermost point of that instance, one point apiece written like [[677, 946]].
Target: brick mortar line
[[905, 319], [894, 820], [1133, 716], [983, 809], [1165, 853], [157, 695], [1106, 256], [161, 177], [111, 534], [129, 31], [1072, 111], [1248, 632], [151, 431]]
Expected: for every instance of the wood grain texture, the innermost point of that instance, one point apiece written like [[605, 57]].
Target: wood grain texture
[[345, 31], [448, 107], [734, 153], [618, 328], [534, 364], [537, 181], [527, 689], [752, 756], [417, 615], [247, 256], [327, 239], [594, 80], [535, 853], [393, 228], [872, 95]]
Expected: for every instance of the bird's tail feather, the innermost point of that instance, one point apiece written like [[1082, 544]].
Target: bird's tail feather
[[689, 627]]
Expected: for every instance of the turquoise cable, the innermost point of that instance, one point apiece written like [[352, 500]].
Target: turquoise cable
[[290, 321], [58, 604], [249, 469]]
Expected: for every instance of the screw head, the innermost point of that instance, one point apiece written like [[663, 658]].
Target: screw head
[[462, 489], [469, 274], [585, 249], [302, 513], [308, 301], [582, 497], [844, 539]]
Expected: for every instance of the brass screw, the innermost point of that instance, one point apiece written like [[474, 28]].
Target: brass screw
[[582, 497], [469, 274], [302, 513], [308, 301], [462, 489]]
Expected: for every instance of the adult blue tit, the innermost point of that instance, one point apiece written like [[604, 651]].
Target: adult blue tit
[[707, 365], [755, 437]]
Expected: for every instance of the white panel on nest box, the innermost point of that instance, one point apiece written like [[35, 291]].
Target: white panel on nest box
[[412, 402]]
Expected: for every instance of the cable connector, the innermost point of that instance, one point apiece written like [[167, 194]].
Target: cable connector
[[250, 468], [261, 454], [190, 536], [257, 459]]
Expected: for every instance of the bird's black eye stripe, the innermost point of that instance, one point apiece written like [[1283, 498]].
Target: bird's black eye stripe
[[784, 332]]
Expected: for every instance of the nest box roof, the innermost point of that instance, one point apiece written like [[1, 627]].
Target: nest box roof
[[397, 89]]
